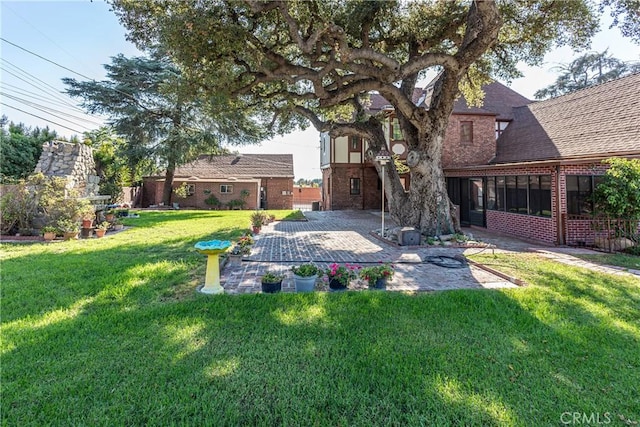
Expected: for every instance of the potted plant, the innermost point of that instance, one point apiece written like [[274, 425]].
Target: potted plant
[[102, 228], [117, 224], [69, 228], [305, 276], [257, 221], [109, 215], [339, 276], [377, 276], [87, 213], [271, 282], [49, 232]]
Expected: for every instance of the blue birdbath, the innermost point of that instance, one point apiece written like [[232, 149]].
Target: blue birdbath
[[212, 249]]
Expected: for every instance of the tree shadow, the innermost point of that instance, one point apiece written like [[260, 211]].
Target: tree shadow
[[456, 358]]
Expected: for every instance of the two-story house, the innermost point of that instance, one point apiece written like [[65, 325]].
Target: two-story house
[[514, 166]]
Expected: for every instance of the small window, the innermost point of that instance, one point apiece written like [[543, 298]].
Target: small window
[[396, 132], [355, 144], [466, 132], [354, 186], [226, 188], [500, 127], [191, 189]]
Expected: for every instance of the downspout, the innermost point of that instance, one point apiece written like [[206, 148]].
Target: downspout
[[560, 238]]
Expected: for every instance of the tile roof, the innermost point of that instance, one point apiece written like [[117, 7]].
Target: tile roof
[[239, 166], [598, 121]]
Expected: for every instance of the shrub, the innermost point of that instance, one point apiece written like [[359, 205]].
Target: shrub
[[212, 201]]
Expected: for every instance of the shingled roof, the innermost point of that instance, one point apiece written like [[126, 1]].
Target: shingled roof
[[598, 121], [238, 166], [499, 100]]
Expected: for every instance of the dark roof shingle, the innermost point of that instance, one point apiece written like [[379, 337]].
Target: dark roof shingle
[[597, 121], [238, 166]]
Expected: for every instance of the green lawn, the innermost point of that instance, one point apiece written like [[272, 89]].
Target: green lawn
[[620, 260], [111, 332]]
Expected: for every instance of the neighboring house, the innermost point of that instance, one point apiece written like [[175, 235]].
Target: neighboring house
[[520, 167], [263, 181]]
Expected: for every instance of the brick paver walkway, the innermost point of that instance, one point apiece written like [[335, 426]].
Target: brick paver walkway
[[343, 236]]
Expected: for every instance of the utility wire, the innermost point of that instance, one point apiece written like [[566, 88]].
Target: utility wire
[[44, 110], [45, 59], [41, 118], [79, 74], [52, 89], [54, 94], [49, 110], [40, 97], [44, 35]]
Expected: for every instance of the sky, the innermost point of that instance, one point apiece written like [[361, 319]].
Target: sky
[[83, 35]]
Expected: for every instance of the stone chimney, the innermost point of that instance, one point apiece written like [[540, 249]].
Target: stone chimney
[[73, 162]]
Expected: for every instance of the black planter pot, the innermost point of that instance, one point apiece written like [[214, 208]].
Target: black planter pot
[[335, 285], [381, 284], [271, 288]]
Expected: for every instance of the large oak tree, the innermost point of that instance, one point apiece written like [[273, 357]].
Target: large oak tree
[[319, 60]]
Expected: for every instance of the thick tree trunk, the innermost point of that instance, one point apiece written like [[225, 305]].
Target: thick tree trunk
[[167, 189]]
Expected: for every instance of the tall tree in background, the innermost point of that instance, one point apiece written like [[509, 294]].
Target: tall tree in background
[[587, 70], [319, 60], [148, 103], [116, 166], [20, 148]]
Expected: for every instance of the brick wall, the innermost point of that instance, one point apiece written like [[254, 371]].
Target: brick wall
[[274, 188], [306, 195], [340, 197], [527, 226], [152, 194], [203, 190], [327, 190], [479, 152]]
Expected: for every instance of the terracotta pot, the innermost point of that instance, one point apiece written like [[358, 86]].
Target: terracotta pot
[[86, 223], [109, 217], [49, 235], [100, 232], [256, 229], [70, 235]]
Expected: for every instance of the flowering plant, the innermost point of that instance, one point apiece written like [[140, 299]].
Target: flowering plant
[[342, 273], [373, 273], [245, 243]]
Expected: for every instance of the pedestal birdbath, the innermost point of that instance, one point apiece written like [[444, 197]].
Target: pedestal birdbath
[[212, 249]]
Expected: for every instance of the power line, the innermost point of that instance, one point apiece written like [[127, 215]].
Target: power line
[[49, 110], [79, 74], [41, 118], [40, 97], [45, 59], [53, 90], [44, 110], [44, 35]]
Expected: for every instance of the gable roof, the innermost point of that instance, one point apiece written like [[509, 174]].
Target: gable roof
[[238, 166], [598, 121], [499, 100]]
